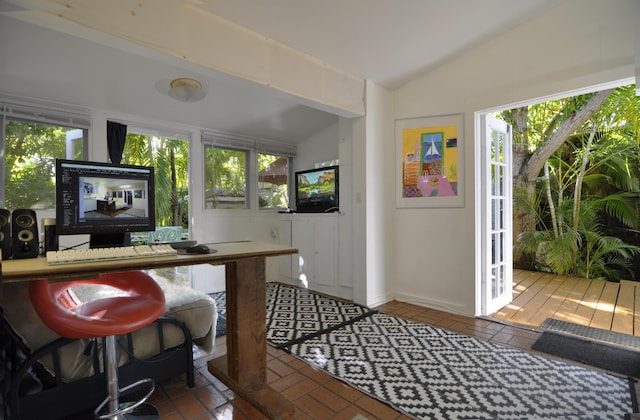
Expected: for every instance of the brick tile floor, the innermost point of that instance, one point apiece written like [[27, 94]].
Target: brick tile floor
[[315, 394]]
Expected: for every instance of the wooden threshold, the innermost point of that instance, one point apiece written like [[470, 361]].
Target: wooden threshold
[[594, 303]]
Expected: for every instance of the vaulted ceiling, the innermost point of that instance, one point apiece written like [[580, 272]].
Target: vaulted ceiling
[[65, 52]]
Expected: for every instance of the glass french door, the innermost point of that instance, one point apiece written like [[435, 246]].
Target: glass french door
[[497, 253]]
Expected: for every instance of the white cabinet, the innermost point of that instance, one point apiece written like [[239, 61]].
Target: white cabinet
[[316, 264], [90, 204], [284, 262]]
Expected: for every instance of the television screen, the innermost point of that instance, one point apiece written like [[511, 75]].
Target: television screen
[[102, 198], [317, 190]]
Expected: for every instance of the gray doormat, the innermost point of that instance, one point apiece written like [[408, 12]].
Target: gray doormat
[[612, 358], [598, 334]]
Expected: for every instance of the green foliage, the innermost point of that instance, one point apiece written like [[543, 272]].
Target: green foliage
[[593, 177], [225, 178], [273, 189], [31, 150], [170, 159], [587, 252]]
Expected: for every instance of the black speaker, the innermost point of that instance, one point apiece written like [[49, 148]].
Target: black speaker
[[24, 229], [50, 236], [5, 233]]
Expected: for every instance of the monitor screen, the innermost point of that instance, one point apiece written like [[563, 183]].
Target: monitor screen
[[101, 198], [317, 190]]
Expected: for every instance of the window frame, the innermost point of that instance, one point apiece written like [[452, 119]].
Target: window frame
[[257, 179], [247, 177], [15, 110], [157, 132], [252, 147]]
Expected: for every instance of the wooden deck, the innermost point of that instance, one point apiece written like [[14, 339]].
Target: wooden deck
[[595, 303]]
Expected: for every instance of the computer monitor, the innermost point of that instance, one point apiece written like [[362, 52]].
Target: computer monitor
[[104, 200]]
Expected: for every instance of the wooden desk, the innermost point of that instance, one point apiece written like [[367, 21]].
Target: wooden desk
[[244, 368]]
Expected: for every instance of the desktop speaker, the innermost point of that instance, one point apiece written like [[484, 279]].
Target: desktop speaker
[[24, 228], [50, 236], [5, 233]]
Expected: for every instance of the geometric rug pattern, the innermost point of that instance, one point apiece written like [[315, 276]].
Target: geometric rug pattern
[[431, 373], [221, 309], [295, 313]]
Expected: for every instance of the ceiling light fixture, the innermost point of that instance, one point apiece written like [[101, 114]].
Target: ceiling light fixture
[[186, 90]]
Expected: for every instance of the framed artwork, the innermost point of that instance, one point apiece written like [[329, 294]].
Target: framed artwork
[[429, 161]]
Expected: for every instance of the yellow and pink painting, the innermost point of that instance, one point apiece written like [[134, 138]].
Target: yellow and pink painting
[[430, 161]]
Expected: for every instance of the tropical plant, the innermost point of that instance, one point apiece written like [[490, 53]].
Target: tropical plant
[[273, 179], [170, 159], [31, 150], [225, 179], [591, 179], [538, 131], [578, 245]]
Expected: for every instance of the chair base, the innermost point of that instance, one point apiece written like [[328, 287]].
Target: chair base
[[118, 410], [144, 411]]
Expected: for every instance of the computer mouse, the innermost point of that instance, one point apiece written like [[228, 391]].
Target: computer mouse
[[198, 249]]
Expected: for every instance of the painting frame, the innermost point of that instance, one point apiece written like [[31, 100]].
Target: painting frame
[[429, 157]]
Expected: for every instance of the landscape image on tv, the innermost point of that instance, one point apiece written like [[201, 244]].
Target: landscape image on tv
[[317, 184], [317, 190]]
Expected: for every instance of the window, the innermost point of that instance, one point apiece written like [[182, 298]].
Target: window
[[273, 181], [243, 173], [33, 138], [334, 162], [170, 159], [225, 178]]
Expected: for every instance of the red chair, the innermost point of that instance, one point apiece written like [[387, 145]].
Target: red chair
[[141, 304]]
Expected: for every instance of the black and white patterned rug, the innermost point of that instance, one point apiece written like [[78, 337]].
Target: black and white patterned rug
[[431, 373], [221, 309], [295, 314]]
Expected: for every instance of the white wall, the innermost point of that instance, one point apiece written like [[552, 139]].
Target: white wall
[[379, 198], [346, 219], [320, 147], [576, 45], [223, 226], [250, 224]]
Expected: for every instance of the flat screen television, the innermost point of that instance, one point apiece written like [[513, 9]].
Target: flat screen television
[[104, 200], [317, 190]]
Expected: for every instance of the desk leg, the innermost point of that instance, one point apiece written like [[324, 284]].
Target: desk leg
[[244, 369]]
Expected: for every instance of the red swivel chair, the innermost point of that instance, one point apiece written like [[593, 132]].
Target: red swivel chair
[[141, 304]]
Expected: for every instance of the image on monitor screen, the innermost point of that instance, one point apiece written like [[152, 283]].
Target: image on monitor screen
[[101, 198], [317, 190]]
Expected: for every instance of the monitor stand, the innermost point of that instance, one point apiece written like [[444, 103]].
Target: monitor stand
[[109, 240]]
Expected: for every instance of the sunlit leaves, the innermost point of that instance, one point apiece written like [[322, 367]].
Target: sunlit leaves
[[599, 164], [170, 160], [29, 173], [225, 178]]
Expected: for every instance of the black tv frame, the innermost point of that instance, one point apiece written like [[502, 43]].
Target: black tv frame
[[320, 204]]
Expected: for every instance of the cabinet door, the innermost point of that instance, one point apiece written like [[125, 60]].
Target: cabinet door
[[326, 256], [303, 238], [285, 261]]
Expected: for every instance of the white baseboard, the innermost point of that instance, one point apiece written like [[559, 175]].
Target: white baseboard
[[453, 308]]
